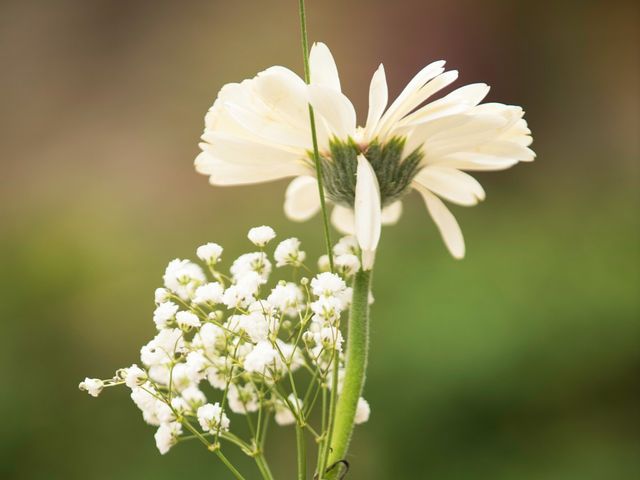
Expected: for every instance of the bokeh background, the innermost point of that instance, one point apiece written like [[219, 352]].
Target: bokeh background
[[520, 362]]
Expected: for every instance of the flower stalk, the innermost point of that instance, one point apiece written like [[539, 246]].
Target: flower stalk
[[314, 134], [355, 371], [300, 447]]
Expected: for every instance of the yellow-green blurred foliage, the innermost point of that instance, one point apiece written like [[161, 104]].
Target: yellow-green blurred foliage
[[520, 362]]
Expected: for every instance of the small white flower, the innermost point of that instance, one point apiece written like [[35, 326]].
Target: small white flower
[[160, 374], [255, 324], [346, 245], [348, 264], [284, 414], [93, 386], [249, 263], [209, 293], [187, 320], [165, 413], [211, 418], [167, 436], [161, 295], [209, 253], [196, 364], [260, 236], [327, 284], [288, 253], [193, 396], [180, 377], [262, 355], [209, 335], [148, 404], [243, 399], [182, 277], [347, 295], [134, 376], [330, 338], [143, 396], [161, 349], [218, 374], [291, 353], [164, 313], [180, 405], [323, 263], [286, 297], [363, 410], [328, 308], [242, 294]]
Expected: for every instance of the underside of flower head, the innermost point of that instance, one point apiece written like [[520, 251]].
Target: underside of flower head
[[258, 130], [394, 171]]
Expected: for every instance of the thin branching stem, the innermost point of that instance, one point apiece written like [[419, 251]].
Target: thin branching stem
[[314, 134]]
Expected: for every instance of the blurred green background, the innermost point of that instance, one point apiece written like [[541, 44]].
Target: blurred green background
[[520, 362]]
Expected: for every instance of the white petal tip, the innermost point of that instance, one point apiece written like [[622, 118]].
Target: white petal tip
[[458, 255], [368, 258]]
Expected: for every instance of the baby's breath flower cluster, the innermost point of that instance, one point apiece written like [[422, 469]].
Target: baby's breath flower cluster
[[237, 345]]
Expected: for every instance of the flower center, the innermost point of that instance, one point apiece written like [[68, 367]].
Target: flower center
[[393, 171]]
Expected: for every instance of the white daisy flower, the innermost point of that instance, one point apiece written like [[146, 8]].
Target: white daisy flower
[[258, 130]]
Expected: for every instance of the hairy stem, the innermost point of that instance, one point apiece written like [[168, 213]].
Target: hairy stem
[[355, 371]]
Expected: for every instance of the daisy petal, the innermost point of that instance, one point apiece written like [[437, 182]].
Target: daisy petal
[[446, 223], [474, 161], [269, 127], [451, 184], [335, 108], [422, 77], [343, 219], [323, 67], [230, 149], [282, 93], [429, 81], [507, 149], [378, 98], [426, 131], [391, 214], [301, 199], [367, 211], [458, 101], [226, 173], [430, 88]]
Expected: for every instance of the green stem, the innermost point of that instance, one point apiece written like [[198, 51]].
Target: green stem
[[302, 456], [210, 446], [231, 468], [314, 135], [355, 370], [263, 466], [333, 397], [323, 438]]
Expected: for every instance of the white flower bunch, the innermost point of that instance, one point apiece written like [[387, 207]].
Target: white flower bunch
[[238, 344]]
